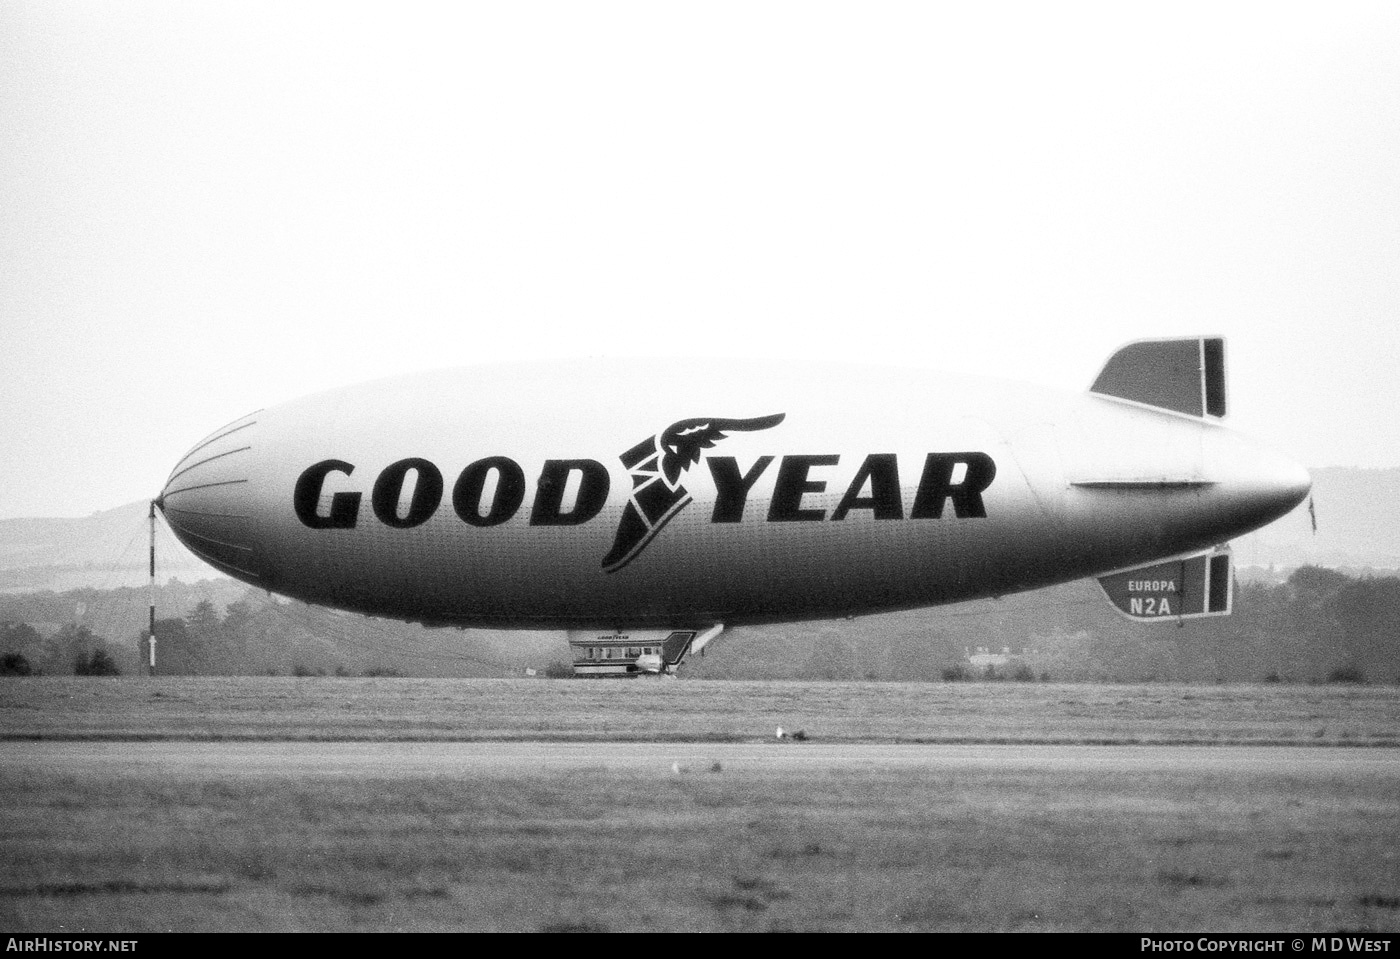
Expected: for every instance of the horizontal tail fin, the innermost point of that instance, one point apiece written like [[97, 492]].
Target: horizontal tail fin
[[1190, 588], [1183, 375]]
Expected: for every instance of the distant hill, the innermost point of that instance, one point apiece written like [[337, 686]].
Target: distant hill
[[1358, 525], [102, 551]]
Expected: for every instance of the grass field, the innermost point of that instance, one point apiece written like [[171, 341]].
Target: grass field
[[738, 848], [654, 709]]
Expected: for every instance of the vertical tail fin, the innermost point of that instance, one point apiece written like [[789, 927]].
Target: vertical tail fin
[[1183, 375]]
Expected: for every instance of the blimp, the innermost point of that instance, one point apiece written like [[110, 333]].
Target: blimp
[[644, 508]]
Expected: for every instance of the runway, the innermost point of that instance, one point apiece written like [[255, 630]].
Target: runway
[[388, 759]]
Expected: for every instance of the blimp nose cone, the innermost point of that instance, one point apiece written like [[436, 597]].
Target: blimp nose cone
[[208, 503]]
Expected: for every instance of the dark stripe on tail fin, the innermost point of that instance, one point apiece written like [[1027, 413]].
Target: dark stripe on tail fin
[[1214, 353]]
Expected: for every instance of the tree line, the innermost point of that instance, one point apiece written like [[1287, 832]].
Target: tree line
[[1319, 625], [254, 635], [70, 650]]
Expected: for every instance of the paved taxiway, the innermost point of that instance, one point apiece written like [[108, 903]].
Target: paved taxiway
[[199, 759]]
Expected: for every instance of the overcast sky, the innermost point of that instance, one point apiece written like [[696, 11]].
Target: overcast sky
[[210, 208]]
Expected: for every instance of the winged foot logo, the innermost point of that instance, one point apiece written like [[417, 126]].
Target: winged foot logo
[[655, 466]]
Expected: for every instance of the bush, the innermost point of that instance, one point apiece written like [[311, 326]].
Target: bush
[[97, 664], [955, 674], [558, 670], [14, 664], [1023, 673], [1347, 674]]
